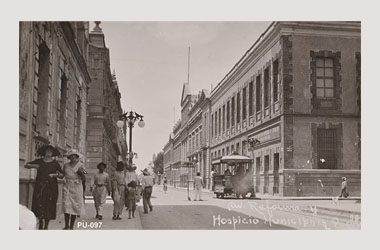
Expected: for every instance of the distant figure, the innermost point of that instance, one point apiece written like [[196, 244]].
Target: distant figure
[[118, 191], [100, 186], [147, 186], [45, 193], [227, 172], [198, 185], [131, 198], [343, 191], [165, 182]]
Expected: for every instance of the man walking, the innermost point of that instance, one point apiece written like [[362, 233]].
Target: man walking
[[198, 185], [147, 187]]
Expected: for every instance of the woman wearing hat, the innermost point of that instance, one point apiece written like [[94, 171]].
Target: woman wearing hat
[[73, 202], [100, 186], [118, 191], [45, 193]]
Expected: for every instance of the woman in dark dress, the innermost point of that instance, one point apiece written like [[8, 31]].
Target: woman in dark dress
[[45, 192]]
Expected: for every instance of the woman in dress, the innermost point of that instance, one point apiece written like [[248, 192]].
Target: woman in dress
[[45, 193], [73, 202], [118, 191]]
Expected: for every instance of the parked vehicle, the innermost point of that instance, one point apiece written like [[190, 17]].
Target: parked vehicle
[[239, 184]]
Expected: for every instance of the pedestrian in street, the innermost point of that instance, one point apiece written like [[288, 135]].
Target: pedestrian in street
[[343, 191], [131, 198], [118, 191], [45, 193], [100, 186], [165, 182], [131, 175], [72, 200], [198, 185], [147, 186]]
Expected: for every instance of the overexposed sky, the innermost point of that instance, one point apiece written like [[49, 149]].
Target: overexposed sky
[[151, 64]]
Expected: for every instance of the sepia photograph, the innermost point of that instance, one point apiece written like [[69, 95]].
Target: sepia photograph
[[202, 124], [190, 125]]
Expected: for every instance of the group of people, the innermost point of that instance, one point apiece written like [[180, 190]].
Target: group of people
[[122, 186]]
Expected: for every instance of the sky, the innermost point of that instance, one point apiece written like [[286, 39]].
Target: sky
[[150, 60]]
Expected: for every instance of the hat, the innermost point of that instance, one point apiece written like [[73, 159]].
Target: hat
[[101, 164], [74, 152], [145, 171], [120, 166], [42, 150]]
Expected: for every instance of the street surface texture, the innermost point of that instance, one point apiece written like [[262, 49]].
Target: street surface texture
[[173, 210]]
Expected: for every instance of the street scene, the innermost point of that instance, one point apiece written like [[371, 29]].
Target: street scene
[[190, 125]]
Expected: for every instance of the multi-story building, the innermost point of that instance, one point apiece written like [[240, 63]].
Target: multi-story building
[[291, 104], [186, 152], [168, 160], [53, 89], [105, 141], [295, 95]]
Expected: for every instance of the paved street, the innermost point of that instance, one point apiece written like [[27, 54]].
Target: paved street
[[173, 211]]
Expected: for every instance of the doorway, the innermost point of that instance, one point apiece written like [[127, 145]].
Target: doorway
[[266, 174], [276, 178], [257, 173]]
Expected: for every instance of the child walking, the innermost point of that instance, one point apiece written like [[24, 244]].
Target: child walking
[[118, 191], [131, 198], [100, 186]]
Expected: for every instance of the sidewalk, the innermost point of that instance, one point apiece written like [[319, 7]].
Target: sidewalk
[[89, 222], [276, 197]]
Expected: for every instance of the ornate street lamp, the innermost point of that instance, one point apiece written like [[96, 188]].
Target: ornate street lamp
[[130, 118]]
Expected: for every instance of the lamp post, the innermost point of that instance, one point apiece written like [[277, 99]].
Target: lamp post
[[130, 118]]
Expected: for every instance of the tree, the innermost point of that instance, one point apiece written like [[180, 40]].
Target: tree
[[158, 163]]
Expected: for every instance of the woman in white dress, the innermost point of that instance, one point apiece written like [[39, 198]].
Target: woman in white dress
[[73, 201]]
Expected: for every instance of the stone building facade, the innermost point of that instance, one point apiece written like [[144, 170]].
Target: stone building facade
[[53, 88], [105, 141], [292, 104], [187, 150]]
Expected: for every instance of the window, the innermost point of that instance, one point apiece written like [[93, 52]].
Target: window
[[228, 114], [63, 109], [220, 114], [42, 95], [244, 103], [212, 125], [216, 123], [258, 93], [238, 108], [327, 148], [266, 87], [224, 117], [250, 99], [233, 112], [238, 148], [325, 77], [326, 81], [275, 81]]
